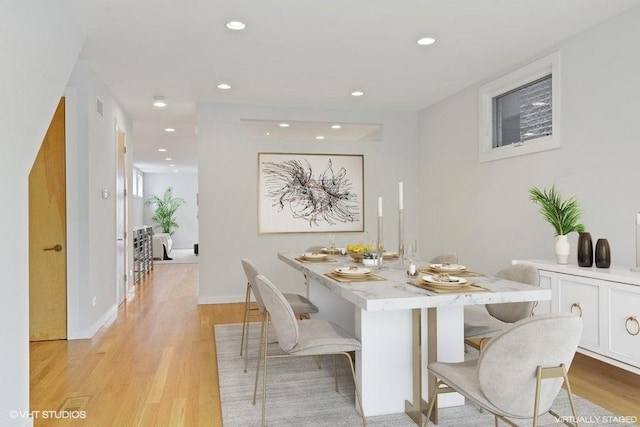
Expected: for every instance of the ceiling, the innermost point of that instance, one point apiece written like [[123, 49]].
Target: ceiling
[[305, 53]]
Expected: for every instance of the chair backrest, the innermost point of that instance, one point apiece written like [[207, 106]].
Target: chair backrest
[[251, 271], [314, 249], [507, 365], [446, 258], [514, 311], [282, 317]]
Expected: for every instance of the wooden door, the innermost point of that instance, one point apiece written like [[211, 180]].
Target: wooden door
[[47, 236]]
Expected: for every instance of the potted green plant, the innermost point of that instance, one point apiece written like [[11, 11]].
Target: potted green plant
[[166, 207], [563, 215]]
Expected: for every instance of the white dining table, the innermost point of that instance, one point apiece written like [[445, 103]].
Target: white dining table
[[401, 327]]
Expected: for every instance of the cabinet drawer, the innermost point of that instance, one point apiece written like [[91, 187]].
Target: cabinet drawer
[[623, 344], [582, 299]]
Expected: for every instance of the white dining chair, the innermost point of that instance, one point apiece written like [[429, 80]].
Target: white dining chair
[[445, 258], [482, 321], [313, 337], [300, 305], [519, 372]]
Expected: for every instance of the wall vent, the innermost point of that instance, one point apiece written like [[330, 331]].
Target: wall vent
[[99, 107]]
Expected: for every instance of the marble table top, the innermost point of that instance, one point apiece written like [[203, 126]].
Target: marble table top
[[396, 294]]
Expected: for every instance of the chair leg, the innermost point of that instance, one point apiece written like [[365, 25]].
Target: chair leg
[[570, 394], [264, 374], [355, 385], [261, 348], [335, 371], [432, 402], [247, 297]]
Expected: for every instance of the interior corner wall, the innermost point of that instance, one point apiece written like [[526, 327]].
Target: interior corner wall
[[228, 180], [483, 210], [91, 225], [184, 185], [33, 33]]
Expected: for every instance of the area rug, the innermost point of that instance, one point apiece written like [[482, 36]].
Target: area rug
[[179, 256], [301, 395]]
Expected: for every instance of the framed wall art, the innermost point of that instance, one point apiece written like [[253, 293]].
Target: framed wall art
[[306, 193]]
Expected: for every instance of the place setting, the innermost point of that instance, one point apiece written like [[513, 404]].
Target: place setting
[[446, 283], [315, 257], [448, 268], [354, 274]]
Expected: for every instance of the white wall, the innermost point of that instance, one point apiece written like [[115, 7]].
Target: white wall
[[228, 191], [184, 185], [484, 212], [39, 45], [91, 167]]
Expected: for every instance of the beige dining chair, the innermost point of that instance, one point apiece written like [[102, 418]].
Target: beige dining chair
[[313, 337], [482, 321], [445, 258], [520, 371], [300, 305]]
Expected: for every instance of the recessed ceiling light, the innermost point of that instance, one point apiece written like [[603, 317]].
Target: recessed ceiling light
[[357, 93], [319, 137], [336, 126], [236, 25], [224, 86], [284, 125], [169, 130], [426, 41], [175, 170], [168, 158], [162, 150], [268, 133], [172, 165], [159, 101]]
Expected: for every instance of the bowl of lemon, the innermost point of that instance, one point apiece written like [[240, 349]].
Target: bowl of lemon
[[356, 251]]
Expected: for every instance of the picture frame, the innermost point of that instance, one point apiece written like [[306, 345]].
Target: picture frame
[[310, 193]]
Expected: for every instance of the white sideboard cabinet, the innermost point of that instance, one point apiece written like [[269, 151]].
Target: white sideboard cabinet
[[608, 300]]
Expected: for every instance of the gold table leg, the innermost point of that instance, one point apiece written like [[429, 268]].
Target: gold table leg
[[416, 408]]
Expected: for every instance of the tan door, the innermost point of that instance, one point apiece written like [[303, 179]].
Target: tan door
[[47, 236], [121, 219]]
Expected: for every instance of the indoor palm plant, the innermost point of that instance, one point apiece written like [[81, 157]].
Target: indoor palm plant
[[166, 207], [563, 215]]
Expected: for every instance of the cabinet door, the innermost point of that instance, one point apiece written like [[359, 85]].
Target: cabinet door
[[624, 342], [582, 298]]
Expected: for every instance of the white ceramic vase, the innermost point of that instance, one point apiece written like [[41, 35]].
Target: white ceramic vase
[[563, 248]]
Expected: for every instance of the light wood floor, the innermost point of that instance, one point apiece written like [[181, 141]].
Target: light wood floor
[[155, 364]]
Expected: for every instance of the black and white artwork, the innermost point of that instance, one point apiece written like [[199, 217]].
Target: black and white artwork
[[310, 192]]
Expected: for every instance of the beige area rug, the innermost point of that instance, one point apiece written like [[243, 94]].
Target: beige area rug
[[180, 256], [301, 395]]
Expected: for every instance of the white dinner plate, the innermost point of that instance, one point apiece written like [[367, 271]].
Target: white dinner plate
[[447, 268], [352, 271], [314, 257], [453, 282]]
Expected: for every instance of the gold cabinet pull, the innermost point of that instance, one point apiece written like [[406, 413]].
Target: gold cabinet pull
[[629, 321], [56, 248], [576, 305]]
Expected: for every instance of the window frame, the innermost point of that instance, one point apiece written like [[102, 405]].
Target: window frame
[[548, 65]]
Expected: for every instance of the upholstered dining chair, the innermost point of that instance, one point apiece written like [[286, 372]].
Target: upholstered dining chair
[[445, 258], [483, 321], [300, 305], [313, 337], [520, 371]]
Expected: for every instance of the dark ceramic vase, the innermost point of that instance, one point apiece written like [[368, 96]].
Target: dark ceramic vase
[[603, 253], [585, 250]]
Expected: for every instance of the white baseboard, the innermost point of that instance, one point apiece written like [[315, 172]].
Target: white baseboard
[[91, 330]]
